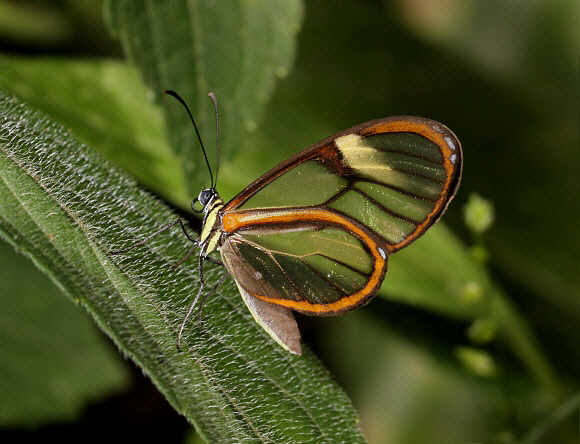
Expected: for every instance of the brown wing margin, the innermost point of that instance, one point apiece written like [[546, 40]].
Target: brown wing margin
[[452, 155]]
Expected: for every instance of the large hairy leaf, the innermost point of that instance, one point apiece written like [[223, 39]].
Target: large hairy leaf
[[66, 208]]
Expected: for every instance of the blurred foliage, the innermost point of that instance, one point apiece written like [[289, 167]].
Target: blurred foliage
[[502, 75]]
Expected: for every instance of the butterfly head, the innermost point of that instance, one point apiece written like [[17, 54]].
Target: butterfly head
[[205, 198], [207, 195]]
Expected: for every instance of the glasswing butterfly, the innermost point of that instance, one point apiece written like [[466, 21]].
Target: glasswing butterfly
[[314, 233]]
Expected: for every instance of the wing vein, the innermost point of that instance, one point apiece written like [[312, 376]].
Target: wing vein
[[325, 279], [397, 189], [386, 210], [407, 153]]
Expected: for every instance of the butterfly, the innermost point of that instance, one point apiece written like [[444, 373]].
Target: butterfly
[[314, 234]]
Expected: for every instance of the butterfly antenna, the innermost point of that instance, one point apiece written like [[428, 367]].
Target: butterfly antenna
[[178, 97], [217, 135]]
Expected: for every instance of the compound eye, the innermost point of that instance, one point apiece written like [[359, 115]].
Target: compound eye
[[205, 196]]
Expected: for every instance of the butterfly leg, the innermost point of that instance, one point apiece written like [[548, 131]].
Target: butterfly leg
[[213, 290], [151, 236], [199, 293], [189, 253], [202, 284], [213, 261]]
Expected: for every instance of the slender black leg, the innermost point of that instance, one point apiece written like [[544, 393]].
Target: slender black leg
[[202, 284], [213, 290], [151, 236], [199, 293], [213, 261], [189, 253], [200, 269]]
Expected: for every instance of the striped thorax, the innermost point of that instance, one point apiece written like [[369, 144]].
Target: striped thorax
[[209, 240]]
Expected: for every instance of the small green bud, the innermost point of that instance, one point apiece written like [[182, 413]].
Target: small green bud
[[482, 331], [477, 361], [471, 292], [478, 213]]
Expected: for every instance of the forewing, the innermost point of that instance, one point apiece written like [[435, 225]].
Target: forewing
[[394, 176]]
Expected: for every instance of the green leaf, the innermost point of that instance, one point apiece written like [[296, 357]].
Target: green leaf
[[197, 47], [65, 207], [105, 105]]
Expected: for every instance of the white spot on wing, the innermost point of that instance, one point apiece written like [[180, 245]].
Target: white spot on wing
[[258, 275], [382, 253], [360, 156], [450, 142], [348, 141], [452, 158]]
